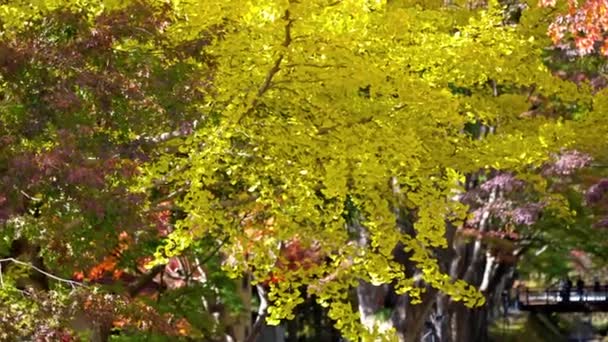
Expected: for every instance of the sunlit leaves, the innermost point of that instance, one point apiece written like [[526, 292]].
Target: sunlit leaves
[[320, 102]]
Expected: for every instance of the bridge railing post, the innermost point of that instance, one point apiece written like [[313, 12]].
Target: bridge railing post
[[527, 296]]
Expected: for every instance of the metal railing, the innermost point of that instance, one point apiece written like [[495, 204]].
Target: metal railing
[[527, 296]]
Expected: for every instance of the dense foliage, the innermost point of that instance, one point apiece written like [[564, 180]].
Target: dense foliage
[[314, 147]]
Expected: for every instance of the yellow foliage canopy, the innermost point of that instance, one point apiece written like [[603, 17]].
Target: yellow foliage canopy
[[317, 102]]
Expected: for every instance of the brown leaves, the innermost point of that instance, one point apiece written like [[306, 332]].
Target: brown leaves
[[11, 58]]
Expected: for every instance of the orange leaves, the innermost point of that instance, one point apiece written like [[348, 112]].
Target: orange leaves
[[295, 255], [258, 226], [109, 263], [273, 279], [585, 26], [572, 5], [183, 327], [127, 313], [162, 218]]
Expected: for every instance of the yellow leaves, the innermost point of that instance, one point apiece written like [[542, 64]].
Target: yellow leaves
[[195, 16], [600, 102], [334, 102], [558, 204], [16, 15], [261, 13], [453, 176]]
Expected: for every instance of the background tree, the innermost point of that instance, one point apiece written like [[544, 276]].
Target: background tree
[[88, 92]]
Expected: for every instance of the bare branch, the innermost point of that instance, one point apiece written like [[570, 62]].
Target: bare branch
[[141, 141], [31, 198], [19, 262], [318, 66], [214, 251], [326, 130]]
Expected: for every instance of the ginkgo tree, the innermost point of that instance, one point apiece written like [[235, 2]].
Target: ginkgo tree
[[315, 104]]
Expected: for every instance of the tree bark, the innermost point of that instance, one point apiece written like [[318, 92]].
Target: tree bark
[[260, 321], [242, 326], [371, 299], [410, 319]]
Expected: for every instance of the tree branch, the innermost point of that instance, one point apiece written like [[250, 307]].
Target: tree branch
[[326, 130], [141, 282], [275, 67], [262, 314], [19, 262], [165, 136], [277, 63]]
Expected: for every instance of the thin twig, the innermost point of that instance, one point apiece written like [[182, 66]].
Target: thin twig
[[32, 198], [135, 289], [19, 262], [319, 66], [277, 64], [166, 136], [325, 130]]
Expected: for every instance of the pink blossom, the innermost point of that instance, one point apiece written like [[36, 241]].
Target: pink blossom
[[503, 181], [596, 192], [527, 214], [566, 163]]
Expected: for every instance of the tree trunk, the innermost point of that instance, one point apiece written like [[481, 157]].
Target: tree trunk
[[292, 330], [470, 324], [371, 299], [241, 327], [437, 315], [440, 319], [411, 320]]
